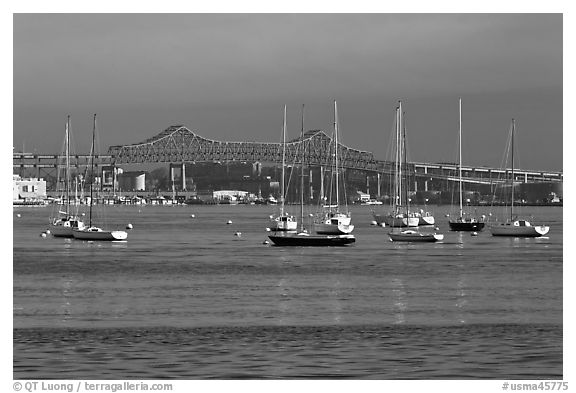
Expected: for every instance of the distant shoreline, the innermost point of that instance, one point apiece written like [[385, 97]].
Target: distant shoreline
[[101, 201]]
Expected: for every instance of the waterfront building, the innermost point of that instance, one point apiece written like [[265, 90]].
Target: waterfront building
[[231, 196], [28, 189], [132, 181], [362, 197]]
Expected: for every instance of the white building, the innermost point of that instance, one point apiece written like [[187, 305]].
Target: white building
[[28, 188], [362, 197], [230, 195]]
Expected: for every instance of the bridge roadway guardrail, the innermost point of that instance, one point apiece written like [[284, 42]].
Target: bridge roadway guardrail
[[478, 175]]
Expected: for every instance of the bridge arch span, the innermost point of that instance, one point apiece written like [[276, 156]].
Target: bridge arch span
[[178, 144]]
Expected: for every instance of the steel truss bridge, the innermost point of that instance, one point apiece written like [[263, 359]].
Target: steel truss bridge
[[177, 145]]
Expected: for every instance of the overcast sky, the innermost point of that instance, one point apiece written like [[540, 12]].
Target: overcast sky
[[227, 77]]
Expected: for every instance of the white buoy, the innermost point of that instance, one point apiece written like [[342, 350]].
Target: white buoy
[[268, 229], [83, 214], [437, 229], [192, 216], [474, 234], [229, 222], [310, 215], [238, 234], [447, 215], [373, 222], [18, 215], [129, 226], [271, 216], [47, 231], [265, 242], [43, 234], [483, 216], [383, 224]]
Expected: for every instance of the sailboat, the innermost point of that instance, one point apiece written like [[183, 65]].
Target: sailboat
[[401, 192], [514, 226], [424, 217], [93, 232], [463, 223], [399, 216], [64, 224], [333, 221], [303, 238], [284, 221]]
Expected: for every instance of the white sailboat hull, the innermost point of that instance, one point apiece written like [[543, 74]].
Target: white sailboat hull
[[331, 229], [94, 233], [396, 221], [424, 219], [334, 224], [519, 228], [414, 236]]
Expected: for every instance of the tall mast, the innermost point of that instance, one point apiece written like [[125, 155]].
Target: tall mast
[[460, 150], [396, 169], [67, 177], [336, 152], [512, 143], [399, 154], [405, 161], [92, 170], [302, 175], [183, 170], [283, 163]]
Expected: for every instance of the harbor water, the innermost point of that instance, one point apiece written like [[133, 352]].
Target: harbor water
[[190, 296]]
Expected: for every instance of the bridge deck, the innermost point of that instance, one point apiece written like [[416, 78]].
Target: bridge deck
[[178, 144]]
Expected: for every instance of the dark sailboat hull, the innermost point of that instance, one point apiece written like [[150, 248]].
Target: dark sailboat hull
[[466, 226], [297, 240]]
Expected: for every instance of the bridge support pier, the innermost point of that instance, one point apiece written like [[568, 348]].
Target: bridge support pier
[[310, 188], [321, 184], [114, 179], [379, 194], [174, 169], [183, 176], [173, 176], [367, 184], [257, 169]]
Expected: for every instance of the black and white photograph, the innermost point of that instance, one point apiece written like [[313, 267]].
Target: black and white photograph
[[302, 194]]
